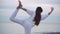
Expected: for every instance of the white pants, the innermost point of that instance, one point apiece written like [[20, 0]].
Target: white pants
[[27, 26]]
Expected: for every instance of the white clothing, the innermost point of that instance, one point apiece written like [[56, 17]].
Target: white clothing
[[26, 23]]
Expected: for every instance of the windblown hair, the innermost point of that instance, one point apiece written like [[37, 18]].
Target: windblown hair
[[37, 17]]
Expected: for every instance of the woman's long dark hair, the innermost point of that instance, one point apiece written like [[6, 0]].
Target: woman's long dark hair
[[37, 17]]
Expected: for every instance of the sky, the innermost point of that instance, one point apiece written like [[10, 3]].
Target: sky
[[7, 7]]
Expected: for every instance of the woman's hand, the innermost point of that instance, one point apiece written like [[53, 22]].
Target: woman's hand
[[52, 8], [51, 11], [20, 5]]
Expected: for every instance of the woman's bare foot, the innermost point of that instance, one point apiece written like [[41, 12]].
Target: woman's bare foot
[[20, 5]]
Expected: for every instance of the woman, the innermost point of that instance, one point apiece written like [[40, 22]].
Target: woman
[[33, 20]]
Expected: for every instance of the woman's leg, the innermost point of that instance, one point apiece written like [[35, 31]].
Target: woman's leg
[[27, 30]]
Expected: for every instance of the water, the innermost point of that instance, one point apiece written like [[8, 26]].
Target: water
[[14, 28]]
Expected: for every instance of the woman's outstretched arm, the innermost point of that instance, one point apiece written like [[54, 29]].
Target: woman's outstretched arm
[[51, 11], [31, 13], [45, 16]]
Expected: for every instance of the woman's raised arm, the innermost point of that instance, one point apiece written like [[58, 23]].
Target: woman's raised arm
[[46, 15]]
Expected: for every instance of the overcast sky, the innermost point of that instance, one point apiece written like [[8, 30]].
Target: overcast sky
[[13, 3], [8, 6]]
